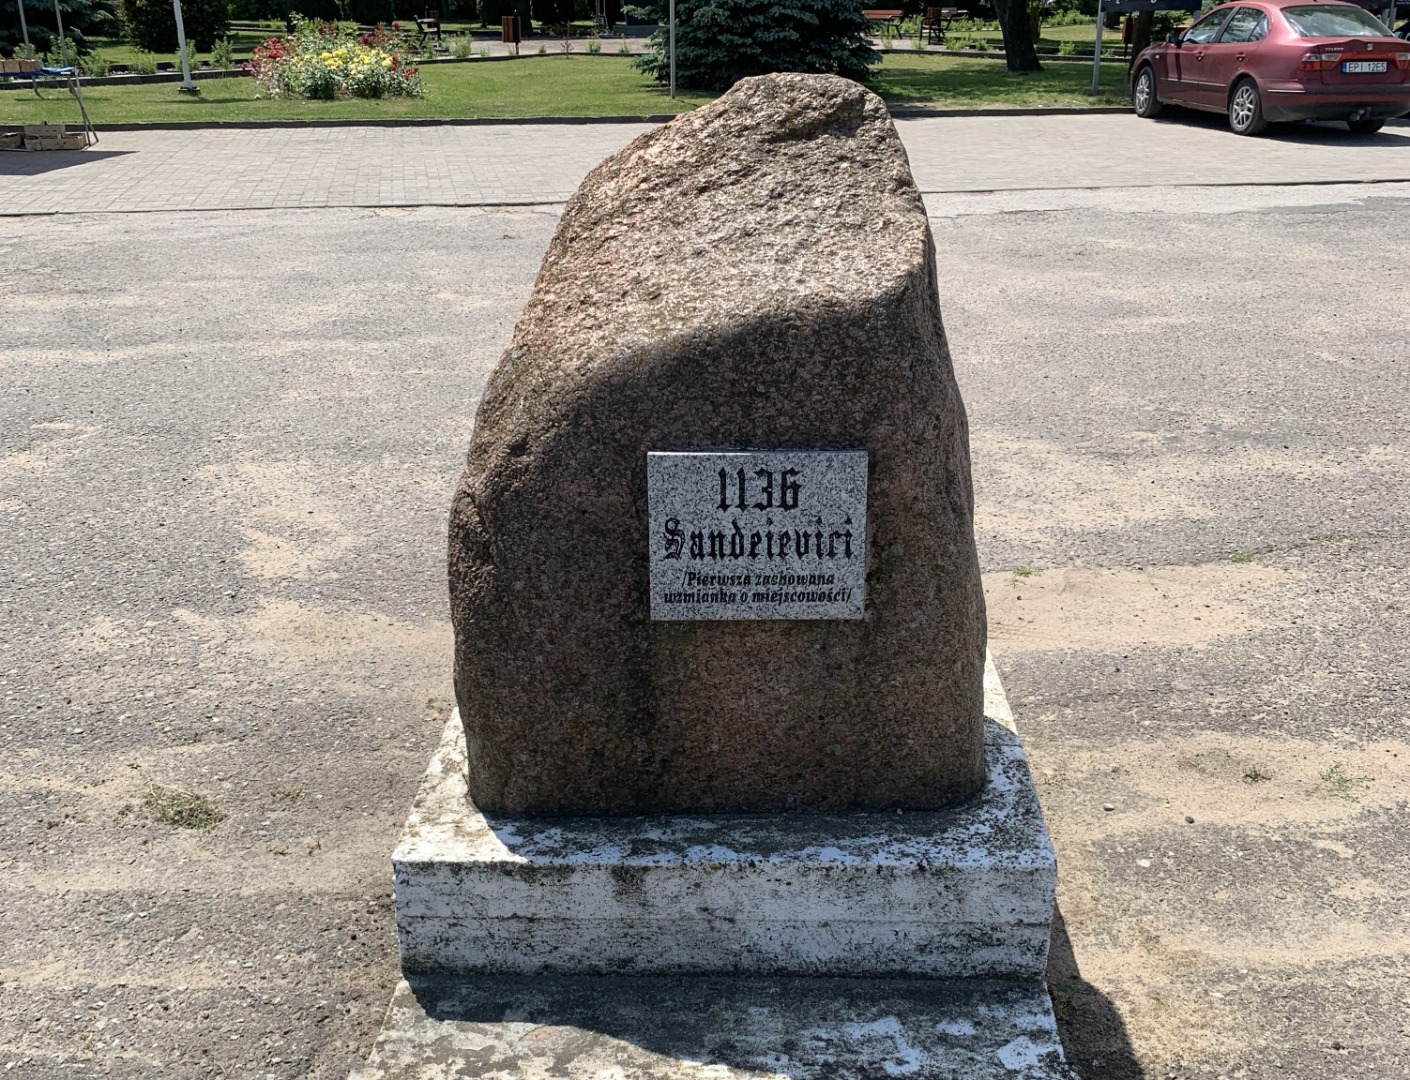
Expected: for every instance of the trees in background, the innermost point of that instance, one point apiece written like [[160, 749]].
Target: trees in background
[[552, 13], [1018, 23], [83, 19], [491, 11], [719, 42], [151, 24]]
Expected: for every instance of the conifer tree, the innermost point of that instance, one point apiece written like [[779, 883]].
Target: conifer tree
[[719, 42]]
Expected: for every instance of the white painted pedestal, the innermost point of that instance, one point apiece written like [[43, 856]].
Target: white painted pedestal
[[954, 893], [924, 937]]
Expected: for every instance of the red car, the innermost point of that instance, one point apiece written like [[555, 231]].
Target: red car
[[1268, 61]]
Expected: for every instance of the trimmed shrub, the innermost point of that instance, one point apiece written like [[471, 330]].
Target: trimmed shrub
[[319, 10], [372, 12], [491, 11], [719, 42], [555, 13], [151, 24], [256, 10]]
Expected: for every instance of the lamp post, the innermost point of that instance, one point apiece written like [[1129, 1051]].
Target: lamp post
[[187, 86], [24, 26], [59, 22], [672, 33], [1097, 49]]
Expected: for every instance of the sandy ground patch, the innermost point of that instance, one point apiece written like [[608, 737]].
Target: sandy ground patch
[[1077, 607]]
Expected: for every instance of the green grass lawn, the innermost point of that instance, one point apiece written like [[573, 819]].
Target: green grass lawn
[[957, 82], [1050, 37], [120, 51], [556, 85]]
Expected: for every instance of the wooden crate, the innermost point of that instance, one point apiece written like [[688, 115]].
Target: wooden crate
[[67, 142], [53, 137]]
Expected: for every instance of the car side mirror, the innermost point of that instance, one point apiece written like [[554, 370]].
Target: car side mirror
[[1174, 37]]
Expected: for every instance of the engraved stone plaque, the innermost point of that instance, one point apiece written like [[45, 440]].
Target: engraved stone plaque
[[758, 534]]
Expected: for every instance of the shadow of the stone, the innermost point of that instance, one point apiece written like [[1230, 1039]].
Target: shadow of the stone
[[1094, 1038], [851, 1029]]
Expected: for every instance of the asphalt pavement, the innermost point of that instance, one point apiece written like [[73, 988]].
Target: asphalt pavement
[[227, 446]]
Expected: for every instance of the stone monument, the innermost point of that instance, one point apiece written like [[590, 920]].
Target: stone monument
[[714, 547], [720, 662]]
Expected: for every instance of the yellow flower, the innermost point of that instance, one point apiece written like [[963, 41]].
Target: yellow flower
[[324, 55], [387, 63]]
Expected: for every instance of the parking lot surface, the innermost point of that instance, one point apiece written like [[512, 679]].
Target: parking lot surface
[[498, 165], [227, 446]]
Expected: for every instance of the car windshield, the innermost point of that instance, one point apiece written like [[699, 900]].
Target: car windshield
[[1328, 21]]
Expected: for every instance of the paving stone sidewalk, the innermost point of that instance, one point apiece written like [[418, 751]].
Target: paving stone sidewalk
[[526, 164]]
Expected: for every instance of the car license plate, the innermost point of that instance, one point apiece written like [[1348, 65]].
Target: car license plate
[[1364, 67]]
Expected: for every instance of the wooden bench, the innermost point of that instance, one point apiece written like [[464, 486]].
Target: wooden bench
[[882, 17]]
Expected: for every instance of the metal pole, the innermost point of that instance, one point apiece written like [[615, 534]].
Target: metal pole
[[24, 26], [673, 47], [1097, 49], [187, 86], [59, 20]]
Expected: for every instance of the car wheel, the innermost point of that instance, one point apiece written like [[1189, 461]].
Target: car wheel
[[1143, 95], [1366, 125], [1246, 109]]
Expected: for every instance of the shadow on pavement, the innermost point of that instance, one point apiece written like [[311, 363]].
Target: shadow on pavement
[[1094, 1038], [1308, 133], [848, 1029], [38, 162]]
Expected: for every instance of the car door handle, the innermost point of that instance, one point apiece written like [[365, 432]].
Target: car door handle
[[1239, 57], [1199, 56]]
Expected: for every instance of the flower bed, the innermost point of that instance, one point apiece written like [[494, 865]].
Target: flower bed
[[326, 61]]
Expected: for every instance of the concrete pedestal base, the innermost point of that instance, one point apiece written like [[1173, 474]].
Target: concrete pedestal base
[[925, 936]]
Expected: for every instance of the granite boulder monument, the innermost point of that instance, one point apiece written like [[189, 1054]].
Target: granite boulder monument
[[713, 549]]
